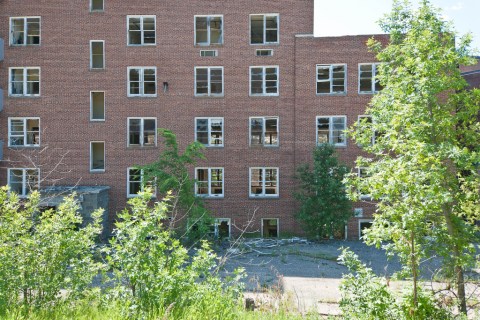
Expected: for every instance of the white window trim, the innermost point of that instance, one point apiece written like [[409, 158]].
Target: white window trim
[[209, 94], [142, 126], [142, 187], [218, 221], [104, 106], [363, 197], [25, 31], [208, 30], [263, 194], [210, 195], [278, 226], [25, 82], [344, 92], [264, 94], [142, 82], [141, 30], [360, 221], [264, 28], [97, 10], [330, 128], [24, 131], [263, 131], [374, 75], [103, 55], [209, 145], [91, 158], [24, 177], [373, 138]]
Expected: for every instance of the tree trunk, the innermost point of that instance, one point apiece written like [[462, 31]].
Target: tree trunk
[[414, 273]]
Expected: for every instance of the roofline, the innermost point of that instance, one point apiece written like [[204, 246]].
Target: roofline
[[467, 73]]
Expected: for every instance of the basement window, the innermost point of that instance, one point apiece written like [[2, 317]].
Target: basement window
[[97, 54], [270, 228], [96, 5], [97, 156], [97, 106]]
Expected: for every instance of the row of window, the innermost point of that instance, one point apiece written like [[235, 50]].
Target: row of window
[[264, 131], [141, 30], [209, 81]]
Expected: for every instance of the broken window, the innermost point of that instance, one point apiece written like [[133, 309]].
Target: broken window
[[264, 81], [331, 79], [209, 81], [24, 132], [97, 54], [269, 228], [23, 181], [263, 182], [365, 122], [208, 30], [142, 132], [209, 131], [367, 78], [264, 131], [96, 5], [97, 106], [209, 182], [24, 82], [263, 28], [142, 81], [141, 30], [97, 156], [331, 130], [221, 228], [364, 225], [24, 31]]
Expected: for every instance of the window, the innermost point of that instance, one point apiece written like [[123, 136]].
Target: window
[[263, 182], [264, 131], [96, 5], [209, 131], [364, 224], [363, 173], [263, 28], [208, 30], [23, 132], [358, 212], [142, 132], [209, 182], [264, 81], [208, 53], [141, 30], [269, 228], [134, 182], [367, 78], [142, 81], [97, 106], [209, 81], [366, 121], [23, 181], [24, 82], [221, 228], [97, 156], [331, 78], [264, 52], [331, 130], [97, 54], [24, 31]]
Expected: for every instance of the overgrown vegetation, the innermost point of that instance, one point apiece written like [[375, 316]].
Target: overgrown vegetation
[[324, 206]]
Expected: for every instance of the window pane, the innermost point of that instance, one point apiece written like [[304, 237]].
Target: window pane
[[271, 132], [134, 131], [271, 36], [18, 31], [323, 130], [256, 29], [16, 181], [216, 30], [201, 35], [33, 31]]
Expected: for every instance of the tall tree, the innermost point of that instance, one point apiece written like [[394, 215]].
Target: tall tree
[[324, 206], [423, 169]]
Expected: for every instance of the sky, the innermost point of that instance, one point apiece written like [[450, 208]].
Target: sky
[[353, 17]]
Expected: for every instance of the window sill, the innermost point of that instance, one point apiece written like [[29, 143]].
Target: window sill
[[210, 96], [141, 147], [366, 92], [265, 44], [340, 94], [263, 197], [142, 96], [24, 96], [24, 45], [213, 146], [206, 45], [142, 45], [97, 69], [209, 197], [97, 171], [264, 95], [97, 120], [24, 147], [264, 146]]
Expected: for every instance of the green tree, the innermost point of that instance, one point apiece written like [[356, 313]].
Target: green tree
[[170, 176], [423, 169], [324, 206]]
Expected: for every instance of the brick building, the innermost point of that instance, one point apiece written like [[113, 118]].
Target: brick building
[[85, 84]]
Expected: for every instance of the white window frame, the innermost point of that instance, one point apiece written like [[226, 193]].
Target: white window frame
[[209, 93], [209, 131], [141, 30], [25, 31], [208, 43], [97, 10], [91, 106], [264, 93], [25, 192], [25, 82], [373, 79], [374, 134], [330, 79], [142, 187], [141, 71], [209, 182], [277, 15], [364, 197], [142, 131], [217, 222], [360, 221], [91, 157], [264, 118], [278, 226], [91, 54], [25, 132], [263, 194], [330, 128]]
